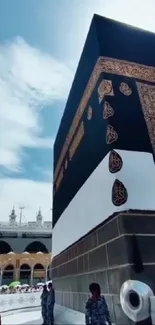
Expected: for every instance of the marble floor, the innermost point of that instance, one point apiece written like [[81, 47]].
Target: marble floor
[[31, 317], [62, 316]]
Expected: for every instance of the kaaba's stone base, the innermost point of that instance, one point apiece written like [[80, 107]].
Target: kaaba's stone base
[[119, 249]]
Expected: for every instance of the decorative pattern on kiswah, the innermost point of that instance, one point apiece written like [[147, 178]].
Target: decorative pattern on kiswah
[[111, 135], [60, 178], [89, 113], [119, 193], [108, 111], [127, 69], [115, 162], [103, 65], [78, 115], [105, 88], [125, 89], [147, 98], [77, 140]]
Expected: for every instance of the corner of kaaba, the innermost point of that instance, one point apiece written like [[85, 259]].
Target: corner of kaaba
[[104, 170]]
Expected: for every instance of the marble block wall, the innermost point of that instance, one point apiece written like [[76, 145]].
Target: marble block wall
[[120, 248]]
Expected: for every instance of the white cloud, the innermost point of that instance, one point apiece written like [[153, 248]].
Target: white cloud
[[41, 143], [29, 79], [27, 193]]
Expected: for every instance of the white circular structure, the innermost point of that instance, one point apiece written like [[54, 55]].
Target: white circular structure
[[134, 298]]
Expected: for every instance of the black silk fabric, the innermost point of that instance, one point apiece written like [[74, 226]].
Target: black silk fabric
[[116, 108]]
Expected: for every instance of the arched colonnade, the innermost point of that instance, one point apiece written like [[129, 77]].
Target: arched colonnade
[[26, 268]]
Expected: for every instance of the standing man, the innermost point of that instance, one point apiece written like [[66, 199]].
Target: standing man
[[97, 312], [50, 304], [44, 297]]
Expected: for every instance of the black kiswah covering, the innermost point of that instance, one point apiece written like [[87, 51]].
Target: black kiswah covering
[[119, 62]]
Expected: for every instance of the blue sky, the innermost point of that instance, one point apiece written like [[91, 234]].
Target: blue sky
[[40, 46]]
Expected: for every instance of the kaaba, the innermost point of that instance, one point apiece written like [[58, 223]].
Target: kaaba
[[104, 169]]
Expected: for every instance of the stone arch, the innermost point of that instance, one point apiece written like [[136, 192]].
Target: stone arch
[[38, 273], [39, 266], [36, 246], [8, 274], [5, 248], [25, 274]]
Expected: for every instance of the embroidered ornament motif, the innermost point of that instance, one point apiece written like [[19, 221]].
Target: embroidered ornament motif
[[76, 141], [89, 113], [147, 98], [103, 65], [107, 111], [60, 178], [111, 135], [125, 89], [119, 193], [115, 162], [105, 88]]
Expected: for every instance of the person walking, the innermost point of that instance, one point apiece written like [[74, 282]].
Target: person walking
[[50, 304], [44, 297], [97, 312]]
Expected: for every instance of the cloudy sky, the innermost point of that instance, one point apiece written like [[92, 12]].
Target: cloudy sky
[[40, 45]]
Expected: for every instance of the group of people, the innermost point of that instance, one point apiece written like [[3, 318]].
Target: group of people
[[96, 312], [47, 304], [20, 289]]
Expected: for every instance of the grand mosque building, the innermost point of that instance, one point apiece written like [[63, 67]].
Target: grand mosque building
[[25, 250]]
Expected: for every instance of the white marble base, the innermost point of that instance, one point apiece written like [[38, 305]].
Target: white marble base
[[62, 315]]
